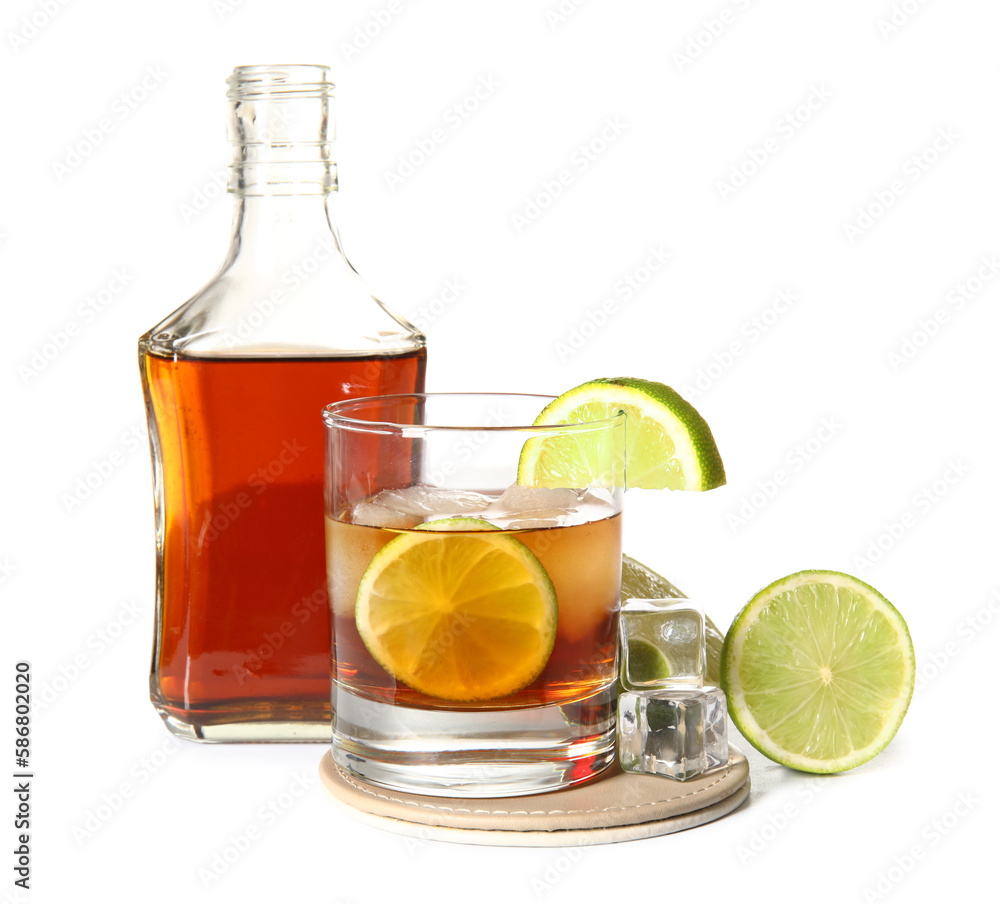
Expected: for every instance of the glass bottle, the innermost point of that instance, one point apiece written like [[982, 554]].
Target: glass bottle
[[234, 382]]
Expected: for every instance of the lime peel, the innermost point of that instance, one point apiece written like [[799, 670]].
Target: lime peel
[[668, 444]]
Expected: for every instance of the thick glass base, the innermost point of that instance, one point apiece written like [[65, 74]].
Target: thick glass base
[[262, 722], [499, 753]]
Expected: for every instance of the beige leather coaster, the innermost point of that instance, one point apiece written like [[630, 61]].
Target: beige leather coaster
[[617, 806]]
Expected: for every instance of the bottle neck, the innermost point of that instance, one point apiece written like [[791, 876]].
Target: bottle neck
[[275, 234], [294, 167], [283, 172]]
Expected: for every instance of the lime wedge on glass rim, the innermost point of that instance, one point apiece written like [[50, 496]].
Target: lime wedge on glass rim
[[668, 444], [818, 670]]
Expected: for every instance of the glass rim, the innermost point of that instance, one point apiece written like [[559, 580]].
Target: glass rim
[[333, 415]]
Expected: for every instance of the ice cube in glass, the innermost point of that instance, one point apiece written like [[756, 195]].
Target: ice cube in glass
[[430, 503], [528, 508]]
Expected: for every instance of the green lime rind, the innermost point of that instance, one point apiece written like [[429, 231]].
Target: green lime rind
[[818, 669], [641, 582], [459, 524], [668, 444]]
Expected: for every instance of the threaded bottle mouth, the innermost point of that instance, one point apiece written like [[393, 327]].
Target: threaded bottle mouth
[[281, 129], [293, 80]]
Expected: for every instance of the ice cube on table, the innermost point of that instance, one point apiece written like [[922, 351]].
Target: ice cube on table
[[679, 733], [428, 503], [670, 632]]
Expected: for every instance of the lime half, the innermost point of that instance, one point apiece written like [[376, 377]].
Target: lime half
[[818, 669], [668, 444]]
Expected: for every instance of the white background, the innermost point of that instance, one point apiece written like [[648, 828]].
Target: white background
[[873, 498]]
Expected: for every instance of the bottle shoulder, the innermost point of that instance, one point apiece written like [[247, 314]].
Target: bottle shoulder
[[319, 309]]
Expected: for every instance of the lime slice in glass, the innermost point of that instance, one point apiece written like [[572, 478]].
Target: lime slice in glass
[[818, 669], [668, 444], [463, 616], [458, 524]]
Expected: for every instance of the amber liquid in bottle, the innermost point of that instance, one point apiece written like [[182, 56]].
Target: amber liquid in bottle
[[244, 627]]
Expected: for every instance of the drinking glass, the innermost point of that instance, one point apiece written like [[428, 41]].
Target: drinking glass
[[474, 570]]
